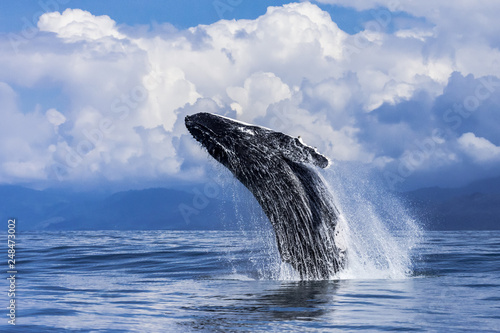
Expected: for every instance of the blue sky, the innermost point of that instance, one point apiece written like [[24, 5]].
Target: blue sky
[[182, 14], [94, 92]]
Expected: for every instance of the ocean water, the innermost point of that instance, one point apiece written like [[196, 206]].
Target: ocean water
[[230, 281]]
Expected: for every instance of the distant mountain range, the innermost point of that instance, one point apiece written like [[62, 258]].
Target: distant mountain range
[[155, 208], [475, 206], [472, 207]]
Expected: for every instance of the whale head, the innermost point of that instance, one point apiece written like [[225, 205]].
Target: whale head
[[231, 142]]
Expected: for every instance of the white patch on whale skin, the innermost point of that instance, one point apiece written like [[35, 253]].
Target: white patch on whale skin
[[246, 130]]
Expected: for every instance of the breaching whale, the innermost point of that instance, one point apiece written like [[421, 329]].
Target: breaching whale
[[278, 171]]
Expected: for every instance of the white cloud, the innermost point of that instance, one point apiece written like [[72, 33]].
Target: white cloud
[[479, 149], [24, 141], [77, 25], [258, 92], [456, 25], [435, 10], [365, 97]]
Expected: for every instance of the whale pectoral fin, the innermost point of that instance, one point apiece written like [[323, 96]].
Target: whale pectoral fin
[[296, 151]]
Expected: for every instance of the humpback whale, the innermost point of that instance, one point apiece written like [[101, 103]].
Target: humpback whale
[[278, 169]]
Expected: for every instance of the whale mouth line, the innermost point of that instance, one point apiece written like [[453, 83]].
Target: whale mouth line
[[198, 126], [207, 138], [200, 132]]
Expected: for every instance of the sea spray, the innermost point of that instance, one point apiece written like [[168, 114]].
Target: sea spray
[[374, 226], [263, 261], [266, 263], [379, 232]]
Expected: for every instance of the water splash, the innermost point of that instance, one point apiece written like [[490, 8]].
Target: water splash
[[378, 231], [374, 226]]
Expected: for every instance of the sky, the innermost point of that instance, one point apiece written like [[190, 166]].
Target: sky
[[95, 92]]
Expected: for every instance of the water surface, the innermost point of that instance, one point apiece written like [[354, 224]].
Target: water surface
[[216, 281]]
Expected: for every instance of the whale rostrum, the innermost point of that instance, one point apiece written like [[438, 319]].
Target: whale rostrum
[[279, 171]]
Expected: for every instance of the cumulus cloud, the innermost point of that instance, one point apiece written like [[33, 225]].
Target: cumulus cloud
[[76, 25], [459, 31], [25, 141], [375, 97], [479, 149], [259, 91]]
